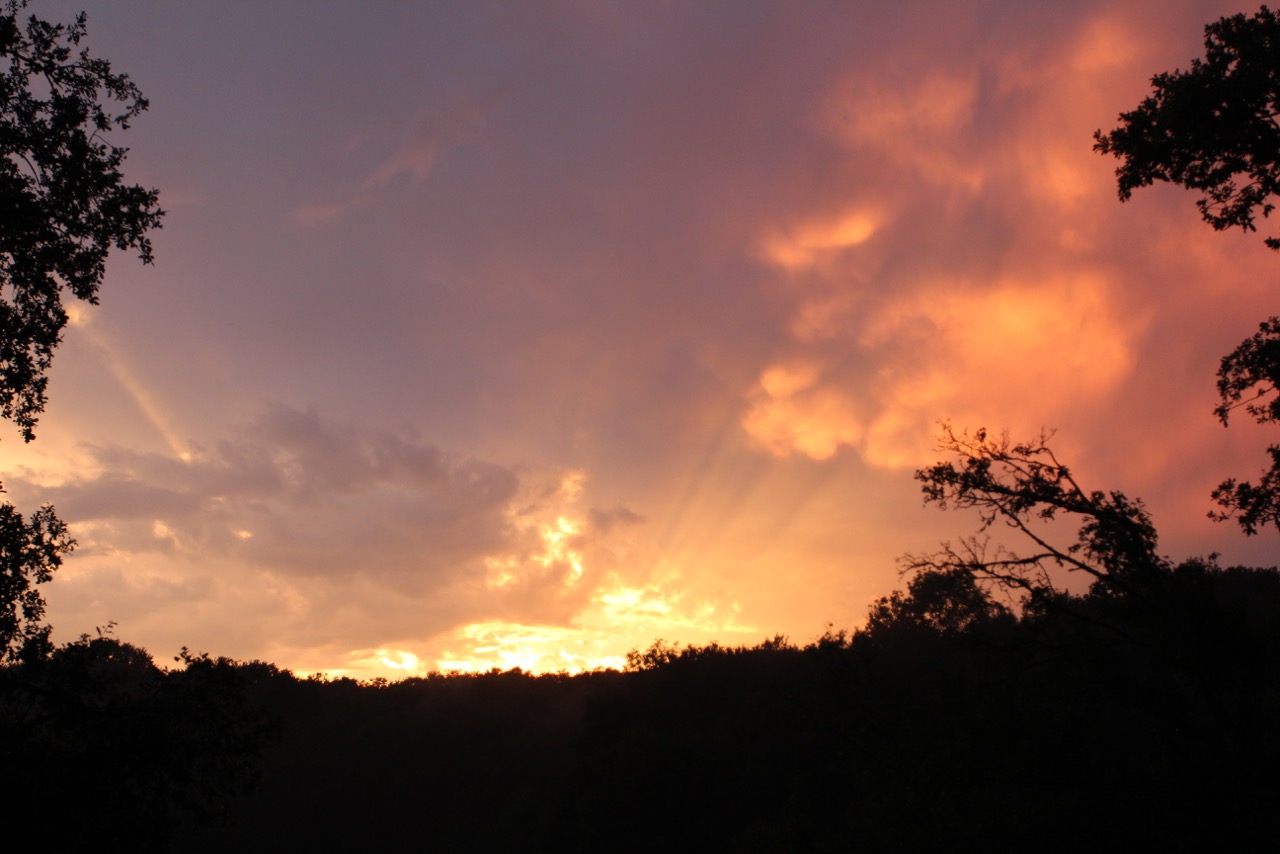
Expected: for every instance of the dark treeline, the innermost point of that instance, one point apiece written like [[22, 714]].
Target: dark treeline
[[1146, 718]]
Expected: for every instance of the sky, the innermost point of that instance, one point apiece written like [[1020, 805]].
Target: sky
[[524, 334]]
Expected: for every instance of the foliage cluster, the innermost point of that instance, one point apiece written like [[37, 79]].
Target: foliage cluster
[[63, 200], [1019, 484], [30, 551], [110, 751], [1213, 127], [1249, 378], [131, 751]]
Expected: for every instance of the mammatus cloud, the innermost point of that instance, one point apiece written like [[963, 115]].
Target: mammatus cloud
[[919, 127], [897, 323], [790, 412], [1015, 352], [808, 243]]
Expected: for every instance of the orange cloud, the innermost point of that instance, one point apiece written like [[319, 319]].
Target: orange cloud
[[1001, 353], [819, 318], [792, 413], [914, 126], [1004, 354], [812, 241]]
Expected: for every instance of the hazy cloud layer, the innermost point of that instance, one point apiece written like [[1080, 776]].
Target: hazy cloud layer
[[482, 329]]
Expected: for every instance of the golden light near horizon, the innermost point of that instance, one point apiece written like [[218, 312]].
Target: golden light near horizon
[[630, 601], [398, 660], [533, 649], [616, 613], [558, 539], [613, 611], [556, 534]]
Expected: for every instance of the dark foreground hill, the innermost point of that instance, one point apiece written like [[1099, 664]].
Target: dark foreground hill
[[1146, 719]]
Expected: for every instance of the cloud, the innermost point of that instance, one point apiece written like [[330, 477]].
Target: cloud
[[605, 521], [339, 546], [1005, 353], [1016, 353], [808, 243], [785, 419], [439, 129], [975, 286], [917, 126], [299, 495], [442, 126], [307, 216]]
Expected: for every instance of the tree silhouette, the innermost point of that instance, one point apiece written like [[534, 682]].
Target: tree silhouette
[[30, 550], [64, 206], [131, 750], [1212, 127], [1021, 485], [1248, 379], [948, 601], [1216, 128], [63, 200]]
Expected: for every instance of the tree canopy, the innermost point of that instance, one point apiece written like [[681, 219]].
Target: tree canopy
[[64, 203], [1213, 127], [1216, 128], [1248, 379], [30, 551], [1021, 484]]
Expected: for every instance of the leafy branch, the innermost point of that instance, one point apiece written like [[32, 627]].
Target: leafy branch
[[1021, 485]]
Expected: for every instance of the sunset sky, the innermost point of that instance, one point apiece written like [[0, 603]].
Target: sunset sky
[[522, 334]]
